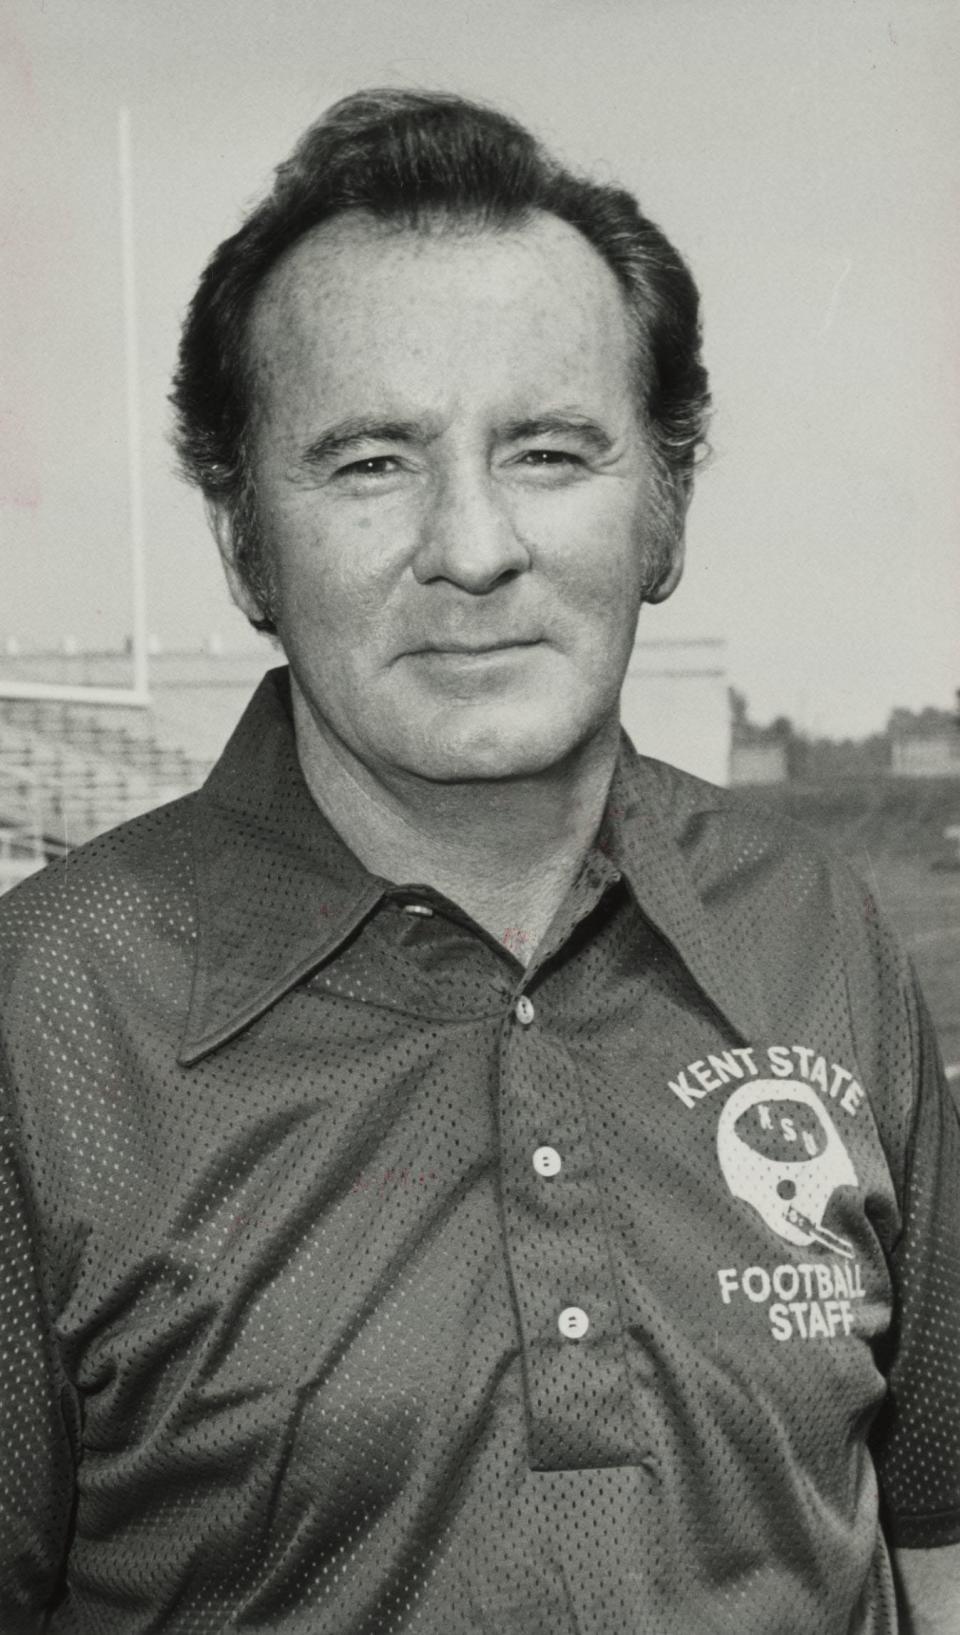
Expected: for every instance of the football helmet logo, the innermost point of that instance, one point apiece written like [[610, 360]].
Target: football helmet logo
[[779, 1151]]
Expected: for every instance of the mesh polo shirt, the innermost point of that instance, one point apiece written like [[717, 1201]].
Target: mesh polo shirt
[[358, 1280]]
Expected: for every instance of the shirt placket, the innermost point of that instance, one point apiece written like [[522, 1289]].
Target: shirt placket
[[581, 1407]]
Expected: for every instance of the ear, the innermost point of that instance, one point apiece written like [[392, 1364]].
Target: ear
[[671, 575], [668, 581], [220, 519]]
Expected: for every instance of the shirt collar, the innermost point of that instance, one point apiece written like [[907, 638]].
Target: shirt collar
[[658, 826], [278, 890]]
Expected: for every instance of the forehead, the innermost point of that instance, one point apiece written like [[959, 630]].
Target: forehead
[[479, 305]]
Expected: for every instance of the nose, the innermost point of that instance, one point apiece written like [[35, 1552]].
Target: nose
[[467, 534]]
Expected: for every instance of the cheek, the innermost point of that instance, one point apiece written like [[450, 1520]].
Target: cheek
[[332, 573], [599, 544]]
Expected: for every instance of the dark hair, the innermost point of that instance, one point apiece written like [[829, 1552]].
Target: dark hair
[[419, 160]]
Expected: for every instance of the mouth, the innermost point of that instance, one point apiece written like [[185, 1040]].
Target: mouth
[[475, 649]]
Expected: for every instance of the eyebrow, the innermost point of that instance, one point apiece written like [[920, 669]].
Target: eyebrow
[[560, 424], [350, 434]]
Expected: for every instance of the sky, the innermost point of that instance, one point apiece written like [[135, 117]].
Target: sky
[[804, 155]]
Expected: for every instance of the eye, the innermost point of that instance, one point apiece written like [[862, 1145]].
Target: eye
[[549, 457], [549, 467], [375, 465]]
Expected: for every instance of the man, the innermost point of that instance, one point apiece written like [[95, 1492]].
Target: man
[[462, 1176]]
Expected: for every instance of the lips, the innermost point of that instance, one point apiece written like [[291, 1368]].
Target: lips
[[479, 647]]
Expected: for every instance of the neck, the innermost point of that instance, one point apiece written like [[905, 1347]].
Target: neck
[[505, 850]]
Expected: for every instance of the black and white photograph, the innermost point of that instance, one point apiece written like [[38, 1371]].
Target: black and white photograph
[[480, 817]]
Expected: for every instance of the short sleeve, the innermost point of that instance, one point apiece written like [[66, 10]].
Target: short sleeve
[[916, 1443], [36, 1464]]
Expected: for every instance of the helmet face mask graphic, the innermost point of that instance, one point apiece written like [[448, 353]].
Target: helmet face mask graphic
[[779, 1151]]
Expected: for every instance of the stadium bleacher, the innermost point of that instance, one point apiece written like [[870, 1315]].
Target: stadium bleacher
[[65, 776]]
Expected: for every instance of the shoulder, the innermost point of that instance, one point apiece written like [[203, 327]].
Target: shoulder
[[731, 839], [789, 911], [129, 886]]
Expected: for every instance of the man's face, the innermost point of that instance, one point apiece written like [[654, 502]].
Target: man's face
[[454, 491]]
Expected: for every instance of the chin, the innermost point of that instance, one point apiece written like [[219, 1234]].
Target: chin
[[502, 747]]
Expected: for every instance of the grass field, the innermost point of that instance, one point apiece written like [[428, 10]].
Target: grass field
[[891, 831]]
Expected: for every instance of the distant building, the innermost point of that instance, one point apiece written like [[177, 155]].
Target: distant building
[[758, 755], [675, 704], [925, 744], [762, 761]]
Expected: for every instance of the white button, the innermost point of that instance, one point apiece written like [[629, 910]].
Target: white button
[[523, 1010], [546, 1161], [573, 1323], [417, 908]]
